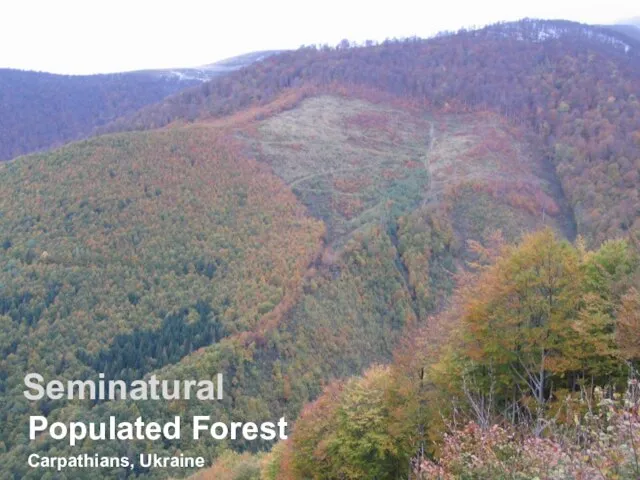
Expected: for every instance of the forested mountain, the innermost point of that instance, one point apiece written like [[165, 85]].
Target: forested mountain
[[39, 110], [574, 85], [463, 211], [630, 27]]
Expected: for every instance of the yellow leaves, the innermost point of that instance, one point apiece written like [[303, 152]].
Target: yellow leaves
[[359, 429], [581, 248], [527, 315], [232, 466], [628, 331]]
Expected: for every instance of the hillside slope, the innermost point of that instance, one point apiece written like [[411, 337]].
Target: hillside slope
[[574, 85], [172, 252], [129, 252], [294, 220], [630, 30]]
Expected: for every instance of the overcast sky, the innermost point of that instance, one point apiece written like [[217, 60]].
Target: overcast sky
[[96, 36]]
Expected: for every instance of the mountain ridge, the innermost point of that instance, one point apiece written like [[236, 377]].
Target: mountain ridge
[[462, 71], [206, 72]]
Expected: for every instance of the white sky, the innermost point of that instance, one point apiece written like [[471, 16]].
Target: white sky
[[96, 36]]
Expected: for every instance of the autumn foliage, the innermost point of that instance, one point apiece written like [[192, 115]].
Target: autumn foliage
[[553, 77], [527, 374]]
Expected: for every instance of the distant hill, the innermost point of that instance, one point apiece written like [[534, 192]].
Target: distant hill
[[39, 110], [629, 27], [629, 30], [631, 21], [211, 70]]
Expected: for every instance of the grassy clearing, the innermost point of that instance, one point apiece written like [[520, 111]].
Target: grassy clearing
[[355, 164], [349, 161]]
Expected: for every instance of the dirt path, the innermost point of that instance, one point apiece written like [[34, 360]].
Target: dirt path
[[328, 172], [335, 192], [425, 159]]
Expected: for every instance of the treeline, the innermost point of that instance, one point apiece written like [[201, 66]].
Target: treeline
[[576, 86]]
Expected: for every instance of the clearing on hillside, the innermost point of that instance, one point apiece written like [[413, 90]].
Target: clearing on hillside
[[354, 163]]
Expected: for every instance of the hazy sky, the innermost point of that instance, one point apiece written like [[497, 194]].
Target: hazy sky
[[94, 36]]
